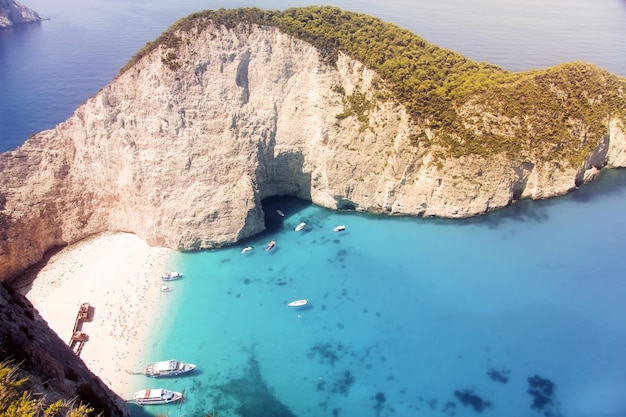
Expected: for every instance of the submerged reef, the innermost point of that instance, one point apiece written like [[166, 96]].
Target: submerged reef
[[248, 395], [542, 391], [344, 383], [501, 375], [469, 399], [328, 353]]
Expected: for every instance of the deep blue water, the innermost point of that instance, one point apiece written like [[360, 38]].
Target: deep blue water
[[407, 316]]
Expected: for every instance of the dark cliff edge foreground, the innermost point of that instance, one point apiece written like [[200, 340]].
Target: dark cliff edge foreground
[[229, 107], [14, 13], [53, 371]]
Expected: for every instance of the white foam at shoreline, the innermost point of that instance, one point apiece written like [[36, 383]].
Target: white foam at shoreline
[[118, 274]]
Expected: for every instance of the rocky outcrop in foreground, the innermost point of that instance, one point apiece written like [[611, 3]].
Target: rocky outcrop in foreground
[[52, 369], [182, 147], [13, 13]]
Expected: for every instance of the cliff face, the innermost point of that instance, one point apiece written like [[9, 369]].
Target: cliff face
[[49, 364], [182, 147], [13, 13]]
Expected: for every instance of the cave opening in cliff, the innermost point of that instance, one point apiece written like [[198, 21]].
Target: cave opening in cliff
[[278, 209]]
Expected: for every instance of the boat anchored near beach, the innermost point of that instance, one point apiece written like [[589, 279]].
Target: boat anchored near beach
[[247, 249], [340, 228], [270, 246], [171, 276], [157, 396], [298, 303], [171, 367], [300, 226]]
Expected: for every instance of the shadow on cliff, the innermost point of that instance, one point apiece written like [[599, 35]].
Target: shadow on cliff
[[609, 182], [278, 209], [284, 174], [285, 186], [24, 282]]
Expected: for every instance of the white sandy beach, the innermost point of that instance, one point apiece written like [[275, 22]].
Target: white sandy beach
[[119, 275]]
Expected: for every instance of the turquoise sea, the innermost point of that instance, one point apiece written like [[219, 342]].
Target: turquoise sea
[[516, 313]]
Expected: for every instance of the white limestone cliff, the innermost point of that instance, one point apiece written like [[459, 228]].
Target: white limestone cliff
[[184, 157]]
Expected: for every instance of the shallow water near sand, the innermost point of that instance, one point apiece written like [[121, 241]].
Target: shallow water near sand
[[407, 316]]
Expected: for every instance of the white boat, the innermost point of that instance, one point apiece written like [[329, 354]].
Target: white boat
[[280, 213], [298, 303], [156, 396], [171, 276], [339, 228], [170, 367], [300, 226], [165, 288], [247, 249]]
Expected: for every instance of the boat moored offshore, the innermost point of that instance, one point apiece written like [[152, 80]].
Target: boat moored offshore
[[170, 367], [298, 303], [171, 276], [156, 396]]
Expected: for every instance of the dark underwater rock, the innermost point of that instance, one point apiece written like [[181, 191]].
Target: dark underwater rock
[[542, 391], [250, 396], [469, 399], [501, 375]]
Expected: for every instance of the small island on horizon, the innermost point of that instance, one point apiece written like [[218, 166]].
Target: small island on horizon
[[14, 13]]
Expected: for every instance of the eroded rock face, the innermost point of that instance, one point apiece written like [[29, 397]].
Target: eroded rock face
[[49, 364], [13, 13], [183, 146]]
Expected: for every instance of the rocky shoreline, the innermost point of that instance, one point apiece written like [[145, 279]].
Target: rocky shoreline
[[14, 13]]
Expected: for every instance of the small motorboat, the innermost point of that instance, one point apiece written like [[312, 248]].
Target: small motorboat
[[171, 276], [270, 246], [339, 228], [298, 303], [247, 249], [280, 213], [300, 226], [165, 288]]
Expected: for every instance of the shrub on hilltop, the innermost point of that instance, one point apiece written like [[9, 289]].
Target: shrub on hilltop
[[526, 115]]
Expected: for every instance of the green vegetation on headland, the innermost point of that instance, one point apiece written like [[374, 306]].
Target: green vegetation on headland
[[460, 106], [16, 401]]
